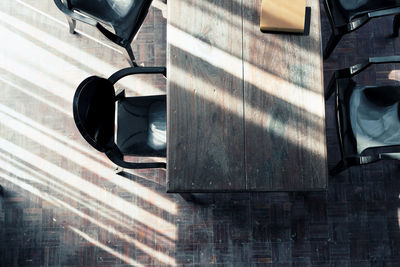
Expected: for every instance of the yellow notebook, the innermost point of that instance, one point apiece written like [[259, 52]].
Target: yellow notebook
[[283, 15]]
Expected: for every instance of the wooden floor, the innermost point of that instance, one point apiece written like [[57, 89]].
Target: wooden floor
[[64, 206]]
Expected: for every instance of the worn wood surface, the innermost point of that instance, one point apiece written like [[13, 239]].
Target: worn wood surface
[[205, 108], [284, 106], [246, 108]]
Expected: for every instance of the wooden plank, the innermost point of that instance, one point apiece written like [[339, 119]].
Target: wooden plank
[[284, 106], [205, 96]]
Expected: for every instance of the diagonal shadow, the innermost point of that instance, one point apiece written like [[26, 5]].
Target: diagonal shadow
[[277, 42], [198, 158]]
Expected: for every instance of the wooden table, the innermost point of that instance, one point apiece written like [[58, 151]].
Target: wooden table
[[246, 110]]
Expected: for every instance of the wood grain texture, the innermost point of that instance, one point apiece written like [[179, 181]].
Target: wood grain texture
[[205, 93], [245, 108], [284, 106]]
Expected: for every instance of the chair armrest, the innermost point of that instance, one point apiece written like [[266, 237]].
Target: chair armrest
[[385, 12], [361, 20], [393, 149], [360, 160], [136, 70], [390, 156], [354, 24], [355, 69]]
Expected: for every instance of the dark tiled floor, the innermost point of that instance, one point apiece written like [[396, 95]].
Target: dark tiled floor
[[64, 207]]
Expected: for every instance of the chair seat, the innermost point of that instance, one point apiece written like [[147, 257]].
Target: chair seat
[[141, 127], [373, 124]]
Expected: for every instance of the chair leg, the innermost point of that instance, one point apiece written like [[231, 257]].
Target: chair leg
[[329, 92], [72, 25], [396, 25], [331, 88], [130, 56], [118, 170], [341, 166], [333, 41]]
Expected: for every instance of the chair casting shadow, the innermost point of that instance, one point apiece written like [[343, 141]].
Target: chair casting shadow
[[348, 15], [124, 16], [367, 117], [140, 128]]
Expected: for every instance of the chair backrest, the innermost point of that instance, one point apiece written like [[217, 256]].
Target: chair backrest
[[94, 111]]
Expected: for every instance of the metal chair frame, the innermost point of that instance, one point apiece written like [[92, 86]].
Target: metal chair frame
[[349, 155], [339, 31], [73, 16], [113, 153]]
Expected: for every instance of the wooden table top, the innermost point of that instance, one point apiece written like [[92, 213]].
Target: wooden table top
[[246, 110]]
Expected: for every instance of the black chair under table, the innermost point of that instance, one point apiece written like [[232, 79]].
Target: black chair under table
[[368, 122], [140, 128], [348, 15], [125, 17]]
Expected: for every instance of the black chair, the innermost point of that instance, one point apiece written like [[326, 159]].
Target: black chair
[[368, 122], [140, 124], [348, 15], [125, 17]]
